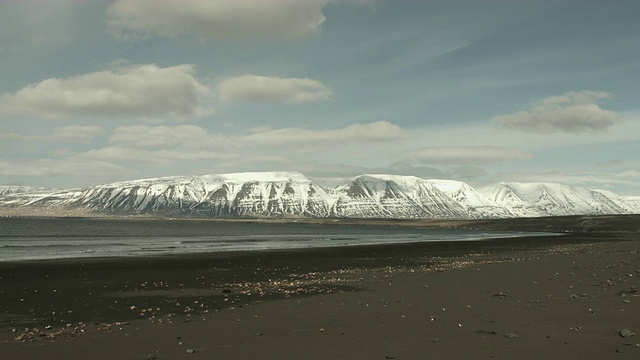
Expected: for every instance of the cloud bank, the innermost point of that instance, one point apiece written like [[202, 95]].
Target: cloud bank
[[56, 167], [216, 19], [467, 155], [572, 112], [177, 144], [139, 91], [157, 156], [375, 131], [145, 136], [68, 134], [254, 88]]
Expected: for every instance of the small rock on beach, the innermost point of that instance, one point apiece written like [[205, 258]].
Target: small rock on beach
[[625, 333]]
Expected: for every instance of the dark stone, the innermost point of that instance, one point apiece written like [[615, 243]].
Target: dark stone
[[578, 296], [625, 333], [624, 293], [486, 332]]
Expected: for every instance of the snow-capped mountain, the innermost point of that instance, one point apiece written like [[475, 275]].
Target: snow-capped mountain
[[16, 196], [291, 194], [18, 189], [475, 204], [246, 194], [393, 196], [634, 201], [263, 194], [551, 199]]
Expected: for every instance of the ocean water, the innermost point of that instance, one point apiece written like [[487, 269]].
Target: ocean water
[[35, 239]]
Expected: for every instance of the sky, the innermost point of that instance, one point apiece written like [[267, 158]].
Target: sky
[[94, 92]]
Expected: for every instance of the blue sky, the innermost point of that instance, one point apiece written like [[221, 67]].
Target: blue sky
[[478, 91]]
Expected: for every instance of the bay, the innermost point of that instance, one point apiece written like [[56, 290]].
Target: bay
[[60, 238]]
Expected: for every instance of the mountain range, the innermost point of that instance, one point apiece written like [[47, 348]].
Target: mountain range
[[291, 194]]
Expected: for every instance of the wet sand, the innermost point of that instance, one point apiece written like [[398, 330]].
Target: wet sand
[[556, 297]]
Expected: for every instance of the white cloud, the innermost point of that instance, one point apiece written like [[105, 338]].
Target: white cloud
[[139, 91], [376, 131], [265, 158], [467, 155], [612, 163], [254, 88], [72, 133], [197, 138], [167, 136], [163, 156], [629, 173], [216, 19], [572, 112], [187, 146], [76, 133], [72, 166]]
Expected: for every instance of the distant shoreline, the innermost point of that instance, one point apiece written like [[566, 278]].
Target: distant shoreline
[[627, 223], [35, 239]]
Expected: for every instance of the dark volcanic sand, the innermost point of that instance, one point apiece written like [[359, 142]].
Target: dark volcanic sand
[[564, 297]]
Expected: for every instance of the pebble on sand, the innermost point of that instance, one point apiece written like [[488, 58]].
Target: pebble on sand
[[580, 296], [625, 333]]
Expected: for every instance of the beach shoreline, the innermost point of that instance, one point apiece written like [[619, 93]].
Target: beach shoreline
[[561, 296]]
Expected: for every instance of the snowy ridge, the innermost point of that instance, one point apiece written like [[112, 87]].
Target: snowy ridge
[[291, 194], [16, 196], [227, 195], [18, 189], [393, 196], [474, 202], [263, 194], [634, 201], [551, 199]]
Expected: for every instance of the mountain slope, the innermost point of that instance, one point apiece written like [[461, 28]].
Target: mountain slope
[[254, 194], [264, 194], [19, 189], [634, 201], [475, 204], [291, 194], [393, 196], [551, 199]]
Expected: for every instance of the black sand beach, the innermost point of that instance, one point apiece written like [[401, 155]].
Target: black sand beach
[[556, 297]]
